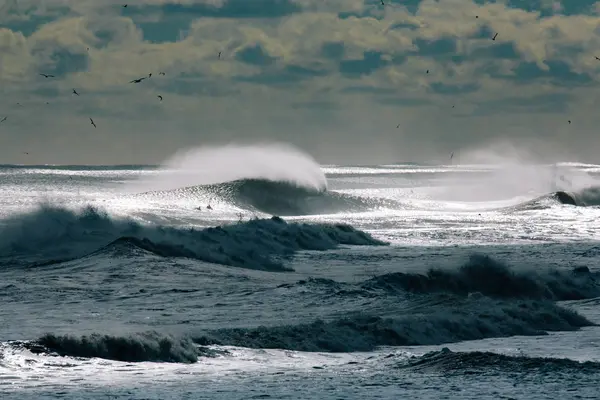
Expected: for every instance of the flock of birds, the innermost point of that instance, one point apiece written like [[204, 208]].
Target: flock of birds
[[138, 80]]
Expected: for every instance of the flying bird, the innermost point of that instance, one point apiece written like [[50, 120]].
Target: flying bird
[[219, 55], [75, 92], [150, 75], [137, 80], [451, 156], [3, 119], [47, 75], [597, 58], [382, 3], [495, 36], [397, 126], [161, 73], [92, 121], [125, 6], [160, 97], [569, 121]]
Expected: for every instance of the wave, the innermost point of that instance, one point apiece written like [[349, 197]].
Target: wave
[[287, 199], [485, 276], [139, 347], [587, 197], [468, 319], [275, 162], [477, 362], [54, 233]]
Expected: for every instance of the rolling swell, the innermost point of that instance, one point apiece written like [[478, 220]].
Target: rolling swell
[[290, 199], [477, 362], [468, 319], [54, 233], [486, 276]]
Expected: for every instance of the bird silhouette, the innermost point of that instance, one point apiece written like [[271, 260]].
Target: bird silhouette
[[137, 80], [75, 92], [47, 75], [161, 73], [160, 97], [3, 119], [125, 6], [219, 55], [495, 36], [597, 58], [92, 121], [150, 75]]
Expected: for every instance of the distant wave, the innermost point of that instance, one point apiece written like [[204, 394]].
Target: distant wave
[[53, 234], [288, 199], [588, 197], [275, 162], [477, 362]]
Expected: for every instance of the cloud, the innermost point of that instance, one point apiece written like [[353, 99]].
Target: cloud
[[335, 77]]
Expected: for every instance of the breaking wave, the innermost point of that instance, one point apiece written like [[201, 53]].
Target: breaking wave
[[139, 347], [52, 234], [468, 319], [485, 276], [477, 362], [587, 197], [288, 199]]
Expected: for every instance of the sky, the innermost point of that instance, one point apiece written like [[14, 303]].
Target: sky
[[348, 81]]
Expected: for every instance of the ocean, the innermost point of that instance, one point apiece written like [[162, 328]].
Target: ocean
[[301, 281]]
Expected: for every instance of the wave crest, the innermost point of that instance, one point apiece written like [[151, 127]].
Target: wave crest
[[478, 362], [55, 233], [469, 320], [486, 276]]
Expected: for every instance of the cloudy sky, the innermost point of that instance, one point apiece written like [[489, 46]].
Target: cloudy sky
[[346, 80]]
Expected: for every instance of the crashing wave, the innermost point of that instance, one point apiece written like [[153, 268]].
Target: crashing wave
[[54, 233]]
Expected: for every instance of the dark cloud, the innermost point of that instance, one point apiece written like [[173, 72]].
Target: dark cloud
[[544, 103], [255, 55], [559, 73], [450, 89], [403, 101], [60, 61], [333, 50], [371, 62], [569, 7], [290, 74]]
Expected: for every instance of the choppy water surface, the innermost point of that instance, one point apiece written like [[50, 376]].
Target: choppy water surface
[[396, 281]]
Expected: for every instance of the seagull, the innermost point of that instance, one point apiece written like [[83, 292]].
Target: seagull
[[161, 73], [92, 121], [496, 35], [597, 58], [160, 97], [137, 80], [75, 92], [3, 119], [47, 76]]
